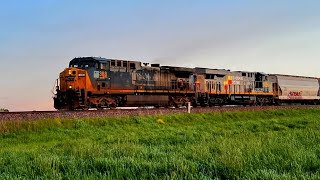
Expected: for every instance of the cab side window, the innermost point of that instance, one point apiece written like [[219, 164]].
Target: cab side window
[[113, 63], [125, 63], [132, 66], [103, 66]]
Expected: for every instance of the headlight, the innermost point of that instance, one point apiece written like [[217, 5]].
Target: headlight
[[69, 72], [70, 87]]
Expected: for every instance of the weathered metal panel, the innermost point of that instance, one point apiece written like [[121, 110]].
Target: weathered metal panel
[[120, 80], [199, 70], [164, 79], [147, 100], [293, 87], [201, 84], [215, 71], [118, 69], [177, 69]]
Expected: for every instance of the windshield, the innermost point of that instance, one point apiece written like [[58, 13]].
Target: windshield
[[84, 64]]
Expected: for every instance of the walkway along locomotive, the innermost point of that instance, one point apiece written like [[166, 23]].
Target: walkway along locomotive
[[94, 82]]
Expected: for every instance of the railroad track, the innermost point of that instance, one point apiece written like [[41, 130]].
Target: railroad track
[[38, 115]]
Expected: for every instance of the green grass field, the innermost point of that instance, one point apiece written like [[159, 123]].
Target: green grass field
[[278, 144]]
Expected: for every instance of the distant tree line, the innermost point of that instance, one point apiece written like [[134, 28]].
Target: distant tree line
[[4, 110]]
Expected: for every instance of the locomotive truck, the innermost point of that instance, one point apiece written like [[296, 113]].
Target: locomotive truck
[[95, 82]]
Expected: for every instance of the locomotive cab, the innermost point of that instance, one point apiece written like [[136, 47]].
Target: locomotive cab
[[75, 82]]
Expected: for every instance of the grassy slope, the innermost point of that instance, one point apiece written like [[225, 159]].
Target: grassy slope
[[268, 144]]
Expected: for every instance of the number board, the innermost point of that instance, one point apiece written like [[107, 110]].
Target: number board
[[102, 74]]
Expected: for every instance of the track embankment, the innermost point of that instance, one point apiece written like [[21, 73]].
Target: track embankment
[[38, 115]]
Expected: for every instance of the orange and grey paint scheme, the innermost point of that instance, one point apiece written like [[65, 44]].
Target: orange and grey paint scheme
[[95, 82]]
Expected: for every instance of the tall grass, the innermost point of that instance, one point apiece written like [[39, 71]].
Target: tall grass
[[274, 144]]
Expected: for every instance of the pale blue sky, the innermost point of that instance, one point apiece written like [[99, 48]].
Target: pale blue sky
[[38, 38]]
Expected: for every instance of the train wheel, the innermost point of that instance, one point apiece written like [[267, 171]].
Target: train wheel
[[107, 102], [71, 108], [183, 102], [113, 105], [104, 103], [278, 103], [171, 104], [99, 108], [221, 102]]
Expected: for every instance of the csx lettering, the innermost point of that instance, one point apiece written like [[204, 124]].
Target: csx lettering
[[295, 95]]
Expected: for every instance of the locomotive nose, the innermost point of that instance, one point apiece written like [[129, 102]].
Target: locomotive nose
[[67, 91], [68, 78]]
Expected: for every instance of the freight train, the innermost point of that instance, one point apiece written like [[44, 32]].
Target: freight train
[[95, 82]]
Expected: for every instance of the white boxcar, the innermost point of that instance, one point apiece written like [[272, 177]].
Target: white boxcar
[[295, 87]]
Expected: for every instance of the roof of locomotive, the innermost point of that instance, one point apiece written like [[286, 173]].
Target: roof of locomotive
[[95, 59], [286, 75], [82, 59], [176, 68]]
